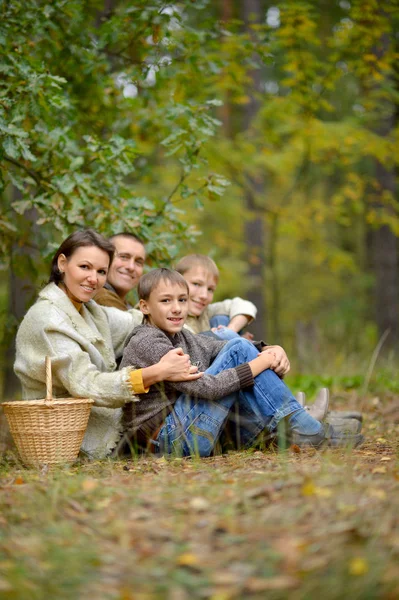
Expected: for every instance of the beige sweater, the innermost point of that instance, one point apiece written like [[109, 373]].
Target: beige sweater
[[83, 348], [231, 308]]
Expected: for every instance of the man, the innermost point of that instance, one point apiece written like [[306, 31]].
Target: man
[[125, 271]]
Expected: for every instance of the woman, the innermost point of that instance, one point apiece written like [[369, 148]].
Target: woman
[[84, 340]]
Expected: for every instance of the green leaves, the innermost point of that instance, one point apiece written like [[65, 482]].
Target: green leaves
[[79, 147]]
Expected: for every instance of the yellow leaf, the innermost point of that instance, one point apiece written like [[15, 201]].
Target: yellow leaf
[[358, 566], [379, 470], [88, 485], [187, 560], [308, 488], [385, 458], [323, 492], [377, 493]]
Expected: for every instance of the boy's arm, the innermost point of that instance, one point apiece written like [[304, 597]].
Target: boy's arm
[[240, 312], [239, 322], [145, 350]]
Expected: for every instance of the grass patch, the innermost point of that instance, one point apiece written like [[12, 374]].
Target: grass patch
[[254, 524]]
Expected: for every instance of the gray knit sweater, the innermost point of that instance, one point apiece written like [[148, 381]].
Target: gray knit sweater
[[147, 345]]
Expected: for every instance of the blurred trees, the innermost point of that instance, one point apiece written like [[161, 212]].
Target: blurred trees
[[324, 144]]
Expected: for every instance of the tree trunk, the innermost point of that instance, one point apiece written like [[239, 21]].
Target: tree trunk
[[22, 292], [385, 265], [254, 229], [384, 246]]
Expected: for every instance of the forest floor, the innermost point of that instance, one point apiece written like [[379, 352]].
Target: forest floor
[[263, 524]]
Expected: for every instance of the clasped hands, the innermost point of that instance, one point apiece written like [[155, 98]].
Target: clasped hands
[[281, 364]]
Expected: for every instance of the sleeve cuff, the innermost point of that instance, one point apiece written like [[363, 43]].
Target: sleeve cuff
[[136, 381], [260, 345], [245, 375]]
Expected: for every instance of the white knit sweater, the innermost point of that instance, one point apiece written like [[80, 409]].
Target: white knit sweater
[[231, 308], [83, 347]]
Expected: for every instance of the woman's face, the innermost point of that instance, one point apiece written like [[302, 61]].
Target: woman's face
[[85, 272]]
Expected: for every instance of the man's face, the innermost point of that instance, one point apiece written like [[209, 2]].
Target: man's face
[[167, 306], [202, 285], [127, 266]]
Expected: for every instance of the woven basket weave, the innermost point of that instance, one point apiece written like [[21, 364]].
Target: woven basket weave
[[48, 431]]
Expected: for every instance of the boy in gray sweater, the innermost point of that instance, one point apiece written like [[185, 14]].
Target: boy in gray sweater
[[187, 418]]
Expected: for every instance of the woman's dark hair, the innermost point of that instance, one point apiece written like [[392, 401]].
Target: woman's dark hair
[[76, 240]]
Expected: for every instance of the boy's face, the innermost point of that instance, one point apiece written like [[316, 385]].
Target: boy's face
[[167, 307], [202, 285]]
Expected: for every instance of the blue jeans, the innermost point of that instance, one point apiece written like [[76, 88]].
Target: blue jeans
[[195, 425], [223, 334]]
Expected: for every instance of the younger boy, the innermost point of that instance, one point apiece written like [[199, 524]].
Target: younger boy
[[202, 276], [188, 417]]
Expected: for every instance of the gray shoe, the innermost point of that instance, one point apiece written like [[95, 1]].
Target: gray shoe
[[319, 409], [346, 414], [352, 426], [301, 398], [328, 436]]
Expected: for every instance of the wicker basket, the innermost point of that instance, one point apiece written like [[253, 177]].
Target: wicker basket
[[48, 431]]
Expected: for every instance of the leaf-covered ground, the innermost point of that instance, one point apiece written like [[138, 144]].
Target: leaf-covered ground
[[294, 524]]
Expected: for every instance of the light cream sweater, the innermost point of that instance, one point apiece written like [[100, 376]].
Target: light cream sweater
[[231, 308], [83, 347]]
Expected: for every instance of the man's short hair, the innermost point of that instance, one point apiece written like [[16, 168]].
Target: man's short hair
[[197, 260], [151, 280], [127, 234]]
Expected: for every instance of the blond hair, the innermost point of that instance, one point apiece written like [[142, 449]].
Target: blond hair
[[197, 260]]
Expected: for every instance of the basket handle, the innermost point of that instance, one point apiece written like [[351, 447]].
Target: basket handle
[[49, 381]]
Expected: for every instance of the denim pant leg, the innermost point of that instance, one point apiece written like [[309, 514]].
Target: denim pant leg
[[217, 320], [194, 425], [223, 334], [262, 406]]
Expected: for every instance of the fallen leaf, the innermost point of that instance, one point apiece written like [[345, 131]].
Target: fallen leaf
[[5, 586], [377, 493], [88, 485], [379, 470], [323, 492], [308, 488], [19, 481], [358, 566], [187, 559], [386, 458], [199, 504], [281, 582]]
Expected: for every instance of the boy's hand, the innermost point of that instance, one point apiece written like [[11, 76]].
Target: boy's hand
[[281, 365], [177, 366], [247, 335]]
